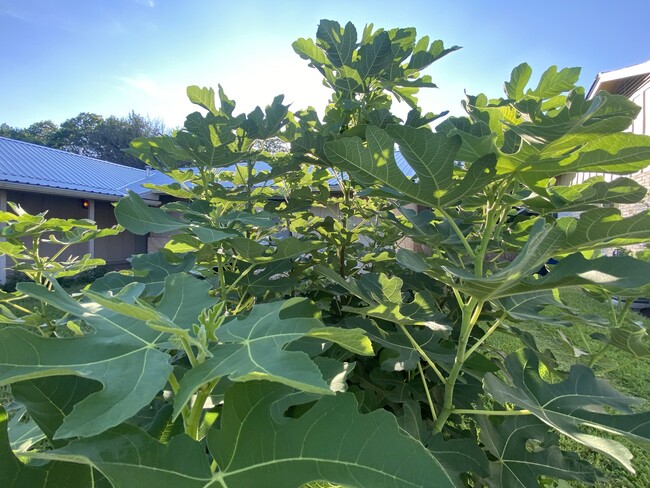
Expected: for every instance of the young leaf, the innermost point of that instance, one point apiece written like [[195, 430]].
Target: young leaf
[[518, 81]]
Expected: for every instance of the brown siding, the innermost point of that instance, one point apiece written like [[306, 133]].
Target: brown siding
[[114, 249]]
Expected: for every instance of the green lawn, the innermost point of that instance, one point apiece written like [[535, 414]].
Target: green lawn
[[626, 372]]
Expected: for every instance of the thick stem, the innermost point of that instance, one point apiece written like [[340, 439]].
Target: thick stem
[[470, 314], [485, 241], [193, 424]]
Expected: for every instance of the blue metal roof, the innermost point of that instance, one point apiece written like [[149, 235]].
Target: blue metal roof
[[31, 164], [23, 163]]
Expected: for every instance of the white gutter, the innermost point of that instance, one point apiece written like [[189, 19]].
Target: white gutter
[[49, 190]]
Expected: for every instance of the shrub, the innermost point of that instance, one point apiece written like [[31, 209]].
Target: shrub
[[290, 333]]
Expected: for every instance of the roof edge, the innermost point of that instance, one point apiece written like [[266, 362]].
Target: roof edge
[[627, 72]]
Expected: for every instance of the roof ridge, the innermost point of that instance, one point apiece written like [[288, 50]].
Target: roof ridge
[[71, 153]]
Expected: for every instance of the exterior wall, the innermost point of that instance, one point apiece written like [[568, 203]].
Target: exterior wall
[[114, 249]]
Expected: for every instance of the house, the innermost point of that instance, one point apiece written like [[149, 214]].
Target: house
[[68, 185], [634, 83], [72, 186]]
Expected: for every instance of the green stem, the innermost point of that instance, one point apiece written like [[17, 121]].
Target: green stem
[[18, 307], [196, 412], [485, 241], [596, 356], [424, 355], [188, 350], [487, 335], [426, 390], [239, 278], [491, 412], [222, 277], [173, 382], [624, 312], [458, 232], [470, 314], [59, 252]]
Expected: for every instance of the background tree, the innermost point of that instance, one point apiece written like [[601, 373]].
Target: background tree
[[91, 135]]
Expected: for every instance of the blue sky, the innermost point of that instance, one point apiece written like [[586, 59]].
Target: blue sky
[[113, 56]]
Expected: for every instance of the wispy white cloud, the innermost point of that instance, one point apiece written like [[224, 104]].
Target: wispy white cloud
[[11, 11], [160, 98], [143, 83], [147, 3]]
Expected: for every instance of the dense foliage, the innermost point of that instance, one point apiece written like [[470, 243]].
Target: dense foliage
[[91, 135], [324, 315]]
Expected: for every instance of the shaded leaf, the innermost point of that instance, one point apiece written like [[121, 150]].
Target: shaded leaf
[[330, 442], [526, 449], [118, 345], [575, 402], [15, 474]]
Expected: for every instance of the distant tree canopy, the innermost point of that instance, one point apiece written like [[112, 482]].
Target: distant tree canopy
[[91, 135]]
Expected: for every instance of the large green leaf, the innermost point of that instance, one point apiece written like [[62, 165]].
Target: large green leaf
[[526, 449], [49, 400], [253, 347], [339, 43], [398, 353], [128, 457], [137, 217], [203, 97], [518, 80], [594, 230], [384, 297], [437, 181], [374, 57], [120, 354], [574, 403], [584, 196], [15, 474], [631, 338], [184, 298], [531, 307], [258, 446], [330, 442], [457, 455], [553, 83]]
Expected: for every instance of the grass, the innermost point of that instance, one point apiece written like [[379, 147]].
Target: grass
[[624, 371]]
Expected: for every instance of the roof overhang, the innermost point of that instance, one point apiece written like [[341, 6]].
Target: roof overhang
[[624, 81], [64, 192]]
